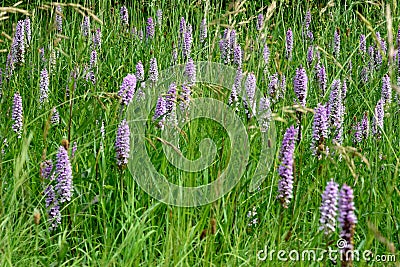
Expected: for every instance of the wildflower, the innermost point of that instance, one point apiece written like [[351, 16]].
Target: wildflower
[[170, 98], [150, 30], [55, 117], [185, 95], [59, 18], [96, 39], [260, 22], [124, 16], [53, 208], [190, 72], [336, 44], [365, 125], [377, 121], [285, 185], [264, 113], [85, 26], [28, 31], [63, 174], [44, 86], [250, 87], [252, 215], [307, 20], [329, 208], [273, 85], [17, 114], [203, 30], [236, 88], [153, 72], [159, 15], [320, 128], [161, 110], [363, 45], [347, 221], [187, 41], [310, 55], [18, 43], [237, 55], [127, 89], [289, 44], [386, 93], [300, 85], [93, 59], [45, 169], [139, 71], [122, 144], [357, 138], [266, 54], [322, 79]]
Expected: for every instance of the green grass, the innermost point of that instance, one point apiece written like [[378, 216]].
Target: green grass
[[111, 221]]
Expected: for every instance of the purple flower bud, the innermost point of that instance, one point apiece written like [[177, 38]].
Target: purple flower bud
[[250, 86], [329, 208], [320, 128], [190, 72], [122, 144], [377, 121], [203, 30], [53, 208], [273, 85], [150, 30], [398, 38], [310, 55], [187, 41], [28, 32], [364, 75], [307, 20], [59, 18], [363, 44], [182, 26], [85, 26], [174, 55], [285, 184], [386, 93], [93, 59], [45, 169], [336, 111], [300, 85], [170, 98], [161, 110], [378, 52], [17, 114], [260, 22], [236, 88], [64, 186], [153, 72], [289, 44], [140, 71], [96, 39], [237, 55], [266, 54], [159, 15], [185, 96], [264, 113], [55, 117], [310, 36], [365, 125], [127, 89], [357, 138], [347, 221], [44, 86], [124, 16], [371, 54], [322, 79], [18, 43], [336, 44]]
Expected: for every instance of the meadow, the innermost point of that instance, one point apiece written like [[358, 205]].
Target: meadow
[[316, 85]]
